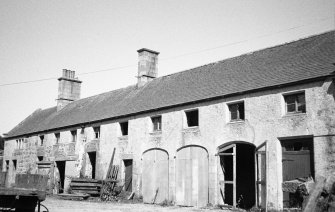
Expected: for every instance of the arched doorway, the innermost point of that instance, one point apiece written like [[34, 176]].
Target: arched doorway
[[237, 162], [192, 176], [155, 176]]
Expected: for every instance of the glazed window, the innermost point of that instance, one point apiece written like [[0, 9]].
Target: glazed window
[[236, 111], [192, 118], [74, 135], [295, 103], [96, 132], [57, 135], [124, 128], [156, 123]]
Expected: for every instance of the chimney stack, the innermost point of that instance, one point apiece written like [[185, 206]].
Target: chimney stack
[[147, 66], [68, 89]]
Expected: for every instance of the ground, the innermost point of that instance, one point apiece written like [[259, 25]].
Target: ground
[[54, 204]]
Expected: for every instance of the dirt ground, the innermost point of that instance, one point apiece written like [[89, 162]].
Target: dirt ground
[[55, 204]]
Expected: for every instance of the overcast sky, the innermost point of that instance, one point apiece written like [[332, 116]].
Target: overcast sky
[[40, 38]]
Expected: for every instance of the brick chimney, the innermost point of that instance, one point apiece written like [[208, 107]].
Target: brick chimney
[[147, 66], [68, 89]]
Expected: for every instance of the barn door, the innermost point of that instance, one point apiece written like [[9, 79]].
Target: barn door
[[192, 176], [228, 163], [155, 176], [260, 164]]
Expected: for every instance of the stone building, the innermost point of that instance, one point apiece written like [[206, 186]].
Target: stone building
[[228, 132]]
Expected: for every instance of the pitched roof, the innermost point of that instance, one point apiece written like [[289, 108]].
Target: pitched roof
[[301, 60]]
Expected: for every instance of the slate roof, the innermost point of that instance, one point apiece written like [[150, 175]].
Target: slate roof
[[293, 62]]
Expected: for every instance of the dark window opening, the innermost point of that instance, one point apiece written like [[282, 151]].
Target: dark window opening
[[236, 111], [14, 164], [42, 139], [57, 135], [40, 158], [96, 132], [295, 103], [124, 128], [157, 123], [74, 135], [192, 118]]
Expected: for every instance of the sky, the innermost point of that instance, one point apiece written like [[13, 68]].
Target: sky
[[99, 39]]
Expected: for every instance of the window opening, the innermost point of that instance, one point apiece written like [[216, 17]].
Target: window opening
[[236, 111], [42, 139], [295, 103], [57, 135], [192, 118], [14, 164], [96, 132], [157, 123], [74, 135], [124, 128]]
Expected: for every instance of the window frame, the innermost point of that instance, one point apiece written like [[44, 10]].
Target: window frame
[[189, 121], [156, 125], [296, 103], [238, 112]]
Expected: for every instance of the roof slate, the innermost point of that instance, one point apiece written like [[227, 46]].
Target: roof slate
[[288, 63]]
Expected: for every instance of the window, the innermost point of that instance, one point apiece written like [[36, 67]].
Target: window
[[74, 135], [156, 123], [192, 118], [236, 111], [57, 135], [17, 144], [124, 128], [14, 164], [96, 132], [295, 103], [42, 139], [40, 158]]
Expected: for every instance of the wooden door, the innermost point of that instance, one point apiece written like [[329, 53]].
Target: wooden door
[[228, 163], [128, 164], [192, 176], [155, 176], [260, 164]]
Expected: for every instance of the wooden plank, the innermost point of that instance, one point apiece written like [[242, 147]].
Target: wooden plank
[[87, 191], [85, 184], [83, 180], [110, 165]]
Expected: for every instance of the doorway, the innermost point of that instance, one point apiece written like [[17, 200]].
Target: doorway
[[298, 163], [61, 172], [93, 157], [128, 179], [237, 162]]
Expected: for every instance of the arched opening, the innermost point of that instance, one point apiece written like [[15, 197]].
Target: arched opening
[[237, 161]]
